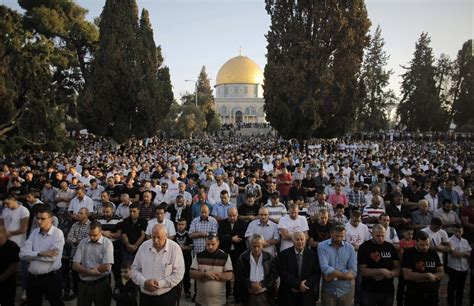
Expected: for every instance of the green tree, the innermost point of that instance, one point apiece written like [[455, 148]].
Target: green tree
[[314, 54], [74, 38], [128, 92], [372, 113], [191, 121], [463, 88], [29, 114], [420, 106]]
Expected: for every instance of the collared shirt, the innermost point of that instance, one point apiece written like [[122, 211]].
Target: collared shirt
[[214, 194], [459, 245], [417, 218], [166, 266], [257, 273], [90, 254], [200, 225], [39, 242], [112, 225], [78, 232], [170, 229], [343, 259], [276, 212], [220, 210], [450, 217], [356, 198], [69, 194], [77, 204], [268, 231], [123, 211]]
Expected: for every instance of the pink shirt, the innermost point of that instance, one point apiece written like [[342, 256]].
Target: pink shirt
[[335, 199]]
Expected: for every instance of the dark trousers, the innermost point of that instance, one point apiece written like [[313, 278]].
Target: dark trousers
[[377, 298], [66, 274], [186, 279], [117, 260], [97, 292], [471, 295], [456, 282], [400, 290], [170, 298], [7, 293], [416, 298], [48, 285]]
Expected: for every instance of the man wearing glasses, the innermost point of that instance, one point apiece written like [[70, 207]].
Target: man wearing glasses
[[211, 269], [43, 250]]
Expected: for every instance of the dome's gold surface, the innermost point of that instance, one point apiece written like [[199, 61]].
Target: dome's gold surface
[[239, 70]]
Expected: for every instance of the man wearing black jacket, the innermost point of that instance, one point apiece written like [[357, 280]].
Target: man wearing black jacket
[[231, 234], [255, 274], [297, 267]]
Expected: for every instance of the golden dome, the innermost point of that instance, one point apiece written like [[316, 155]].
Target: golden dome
[[239, 70]]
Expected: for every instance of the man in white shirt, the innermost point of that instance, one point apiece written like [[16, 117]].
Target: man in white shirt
[[266, 228], [439, 237], [15, 218], [123, 209], [158, 268], [291, 224], [214, 194], [80, 201], [356, 232], [160, 219], [390, 232], [458, 266]]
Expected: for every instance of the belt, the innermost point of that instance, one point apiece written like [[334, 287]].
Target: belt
[[258, 293], [96, 281], [40, 276]]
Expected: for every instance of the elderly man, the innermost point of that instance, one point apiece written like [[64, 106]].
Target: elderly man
[[93, 262], [158, 268], [267, 229], [255, 274], [378, 264], [43, 250], [421, 218], [214, 194], [297, 267], [338, 262], [211, 269]]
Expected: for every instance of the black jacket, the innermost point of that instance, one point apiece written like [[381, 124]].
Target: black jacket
[[242, 276], [288, 271], [225, 234]]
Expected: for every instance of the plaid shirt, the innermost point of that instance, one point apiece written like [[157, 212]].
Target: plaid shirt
[[200, 225], [78, 232], [356, 198]]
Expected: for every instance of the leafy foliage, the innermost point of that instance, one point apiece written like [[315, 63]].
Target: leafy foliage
[[463, 88], [314, 53]]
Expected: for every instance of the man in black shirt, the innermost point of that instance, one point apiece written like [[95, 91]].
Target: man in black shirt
[[133, 233], [249, 211], [9, 260], [422, 270], [378, 264]]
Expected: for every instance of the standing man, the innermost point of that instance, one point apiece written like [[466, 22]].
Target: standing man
[[379, 264], [158, 268], [15, 218], [43, 250], [133, 233], [291, 224], [211, 269], [267, 229], [160, 219], [255, 274], [219, 211], [422, 271], [200, 228], [9, 260], [458, 266], [93, 261], [297, 267], [338, 262]]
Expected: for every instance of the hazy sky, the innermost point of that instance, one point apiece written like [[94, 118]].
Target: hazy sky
[[194, 33]]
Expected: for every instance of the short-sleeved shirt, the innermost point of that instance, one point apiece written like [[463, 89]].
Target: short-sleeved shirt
[[426, 262], [170, 229], [200, 225], [246, 210], [91, 254], [12, 221], [437, 238], [320, 232], [268, 231], [9, 252], [377, 256], [300, 224], [211, 292], [133, 230]]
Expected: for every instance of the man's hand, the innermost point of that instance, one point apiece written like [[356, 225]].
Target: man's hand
[[236, 239], [348, 276], [49, 253], [94, 272], [107, 234], [255, 287], [8, 234], [386, 273], [151, 285], [431, 277], [303, 286]]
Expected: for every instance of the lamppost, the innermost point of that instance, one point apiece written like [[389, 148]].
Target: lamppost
[[196, 90]]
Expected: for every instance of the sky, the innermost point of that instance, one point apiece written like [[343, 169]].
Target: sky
[[196, 33]]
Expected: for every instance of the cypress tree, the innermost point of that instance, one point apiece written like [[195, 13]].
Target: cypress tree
[[463, 88]]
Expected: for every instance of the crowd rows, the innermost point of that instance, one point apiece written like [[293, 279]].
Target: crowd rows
[[267, 220]]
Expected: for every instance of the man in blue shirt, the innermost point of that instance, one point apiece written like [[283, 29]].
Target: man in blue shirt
[[219, 211], [338, 262]]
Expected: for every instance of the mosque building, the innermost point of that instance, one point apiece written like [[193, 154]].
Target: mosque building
[[239, 91]]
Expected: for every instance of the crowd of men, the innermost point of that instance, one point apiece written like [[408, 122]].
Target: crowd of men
[[266, 221]]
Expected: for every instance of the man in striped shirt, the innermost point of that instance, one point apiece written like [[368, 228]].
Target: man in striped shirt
[[370, 214], [276, 209]]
